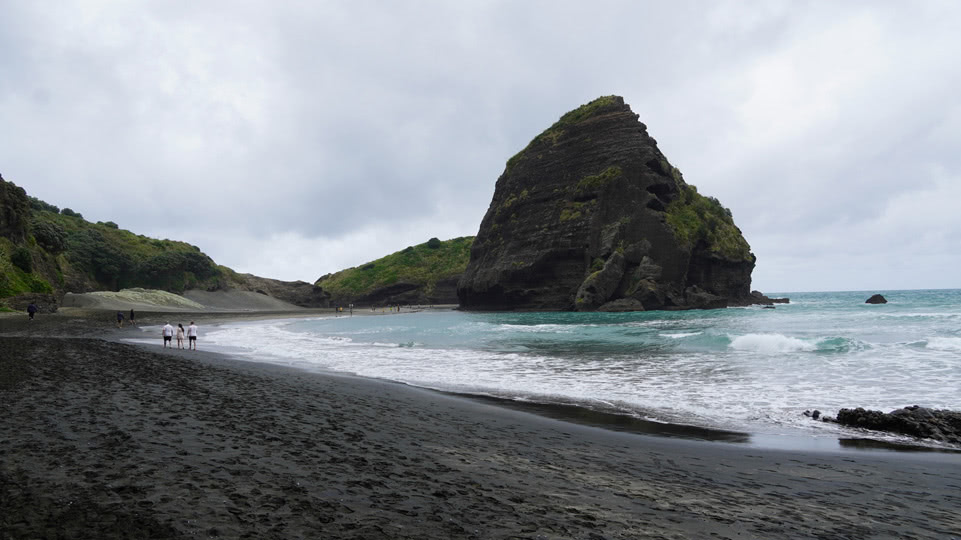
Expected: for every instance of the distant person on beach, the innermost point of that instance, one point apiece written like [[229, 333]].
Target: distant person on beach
[[131, 318], [31, 310], [180, 336], [168, 334], [192, 336], [119, 319]]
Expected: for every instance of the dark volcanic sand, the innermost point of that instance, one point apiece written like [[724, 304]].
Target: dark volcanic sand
[[106, 440]]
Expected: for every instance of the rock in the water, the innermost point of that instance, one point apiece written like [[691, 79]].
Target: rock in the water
[[759, 298], [876, 299], [938, 424], [591, 213]]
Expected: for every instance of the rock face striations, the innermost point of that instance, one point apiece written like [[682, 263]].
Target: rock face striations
[[591, 216]]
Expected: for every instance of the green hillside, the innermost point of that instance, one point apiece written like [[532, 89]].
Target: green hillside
[[424, 265], [47, 250]]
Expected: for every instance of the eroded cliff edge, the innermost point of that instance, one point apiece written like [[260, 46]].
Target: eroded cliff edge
[[592, 216]]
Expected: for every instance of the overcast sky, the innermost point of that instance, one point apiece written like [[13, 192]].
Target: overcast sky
[[293, 139]]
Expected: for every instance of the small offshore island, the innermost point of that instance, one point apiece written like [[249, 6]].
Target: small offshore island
[[105, 439]]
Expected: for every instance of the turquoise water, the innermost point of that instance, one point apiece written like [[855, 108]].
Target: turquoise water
[[747, 369]]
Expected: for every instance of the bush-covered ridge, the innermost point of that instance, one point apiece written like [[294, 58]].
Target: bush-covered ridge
[[424, 265], [62, 252], [117, 258]]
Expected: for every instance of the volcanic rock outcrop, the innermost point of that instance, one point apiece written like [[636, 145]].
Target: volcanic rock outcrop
[[592, 216]]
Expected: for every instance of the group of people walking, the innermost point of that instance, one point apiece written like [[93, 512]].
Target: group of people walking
[[120, 318], [168, 331], [190, 332]]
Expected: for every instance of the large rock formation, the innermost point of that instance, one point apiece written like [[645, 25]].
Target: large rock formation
[[592, 216]]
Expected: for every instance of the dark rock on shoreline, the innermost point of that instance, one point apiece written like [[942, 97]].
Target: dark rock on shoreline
[[937, 424], [876, 299], [591, 215]]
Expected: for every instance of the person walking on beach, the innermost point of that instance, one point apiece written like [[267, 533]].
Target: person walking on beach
[[131, 318], [119, 319], [31, 310], [180, 336], [168, 334], [192, 336]]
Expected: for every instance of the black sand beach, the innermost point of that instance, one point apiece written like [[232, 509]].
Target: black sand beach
[[105, 440]]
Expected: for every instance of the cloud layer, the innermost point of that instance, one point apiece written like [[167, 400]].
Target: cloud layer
[[293, 140]]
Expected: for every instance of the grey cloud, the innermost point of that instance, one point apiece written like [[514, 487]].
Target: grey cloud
[[239, 124]]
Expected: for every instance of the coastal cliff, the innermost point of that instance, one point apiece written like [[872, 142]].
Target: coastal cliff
[[592, 216], [46, 252]]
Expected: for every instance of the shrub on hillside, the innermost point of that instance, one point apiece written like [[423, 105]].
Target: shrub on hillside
[[39, 205], [21, 259], [173, 270], [49, 236], [89, 250]]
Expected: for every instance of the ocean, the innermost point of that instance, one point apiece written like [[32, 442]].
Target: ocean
[[743, 370]]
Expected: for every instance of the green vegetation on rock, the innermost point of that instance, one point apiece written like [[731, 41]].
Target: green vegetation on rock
[[419, 265], [584, 111], [554, 133], [575, 209], [694, 218], [596, 182]]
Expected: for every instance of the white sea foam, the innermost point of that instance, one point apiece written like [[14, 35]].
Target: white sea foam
[[748, 370], [770, 343], [944, 343], [680, 335], [542, 328]]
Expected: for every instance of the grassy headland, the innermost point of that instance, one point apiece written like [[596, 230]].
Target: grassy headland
[[423, 265]]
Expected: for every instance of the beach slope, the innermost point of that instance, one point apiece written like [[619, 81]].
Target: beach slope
[[108, 440]]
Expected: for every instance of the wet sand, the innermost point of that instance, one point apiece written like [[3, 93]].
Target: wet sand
[[100, 439]]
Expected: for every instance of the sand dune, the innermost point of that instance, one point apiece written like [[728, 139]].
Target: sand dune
[[191, 301]]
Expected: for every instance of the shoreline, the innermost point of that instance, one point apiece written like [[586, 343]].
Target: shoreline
[[111, 440], [613, 420], [577, 414]]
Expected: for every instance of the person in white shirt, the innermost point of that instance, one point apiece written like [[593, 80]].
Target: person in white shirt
[[192, 336], [168, 333]]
